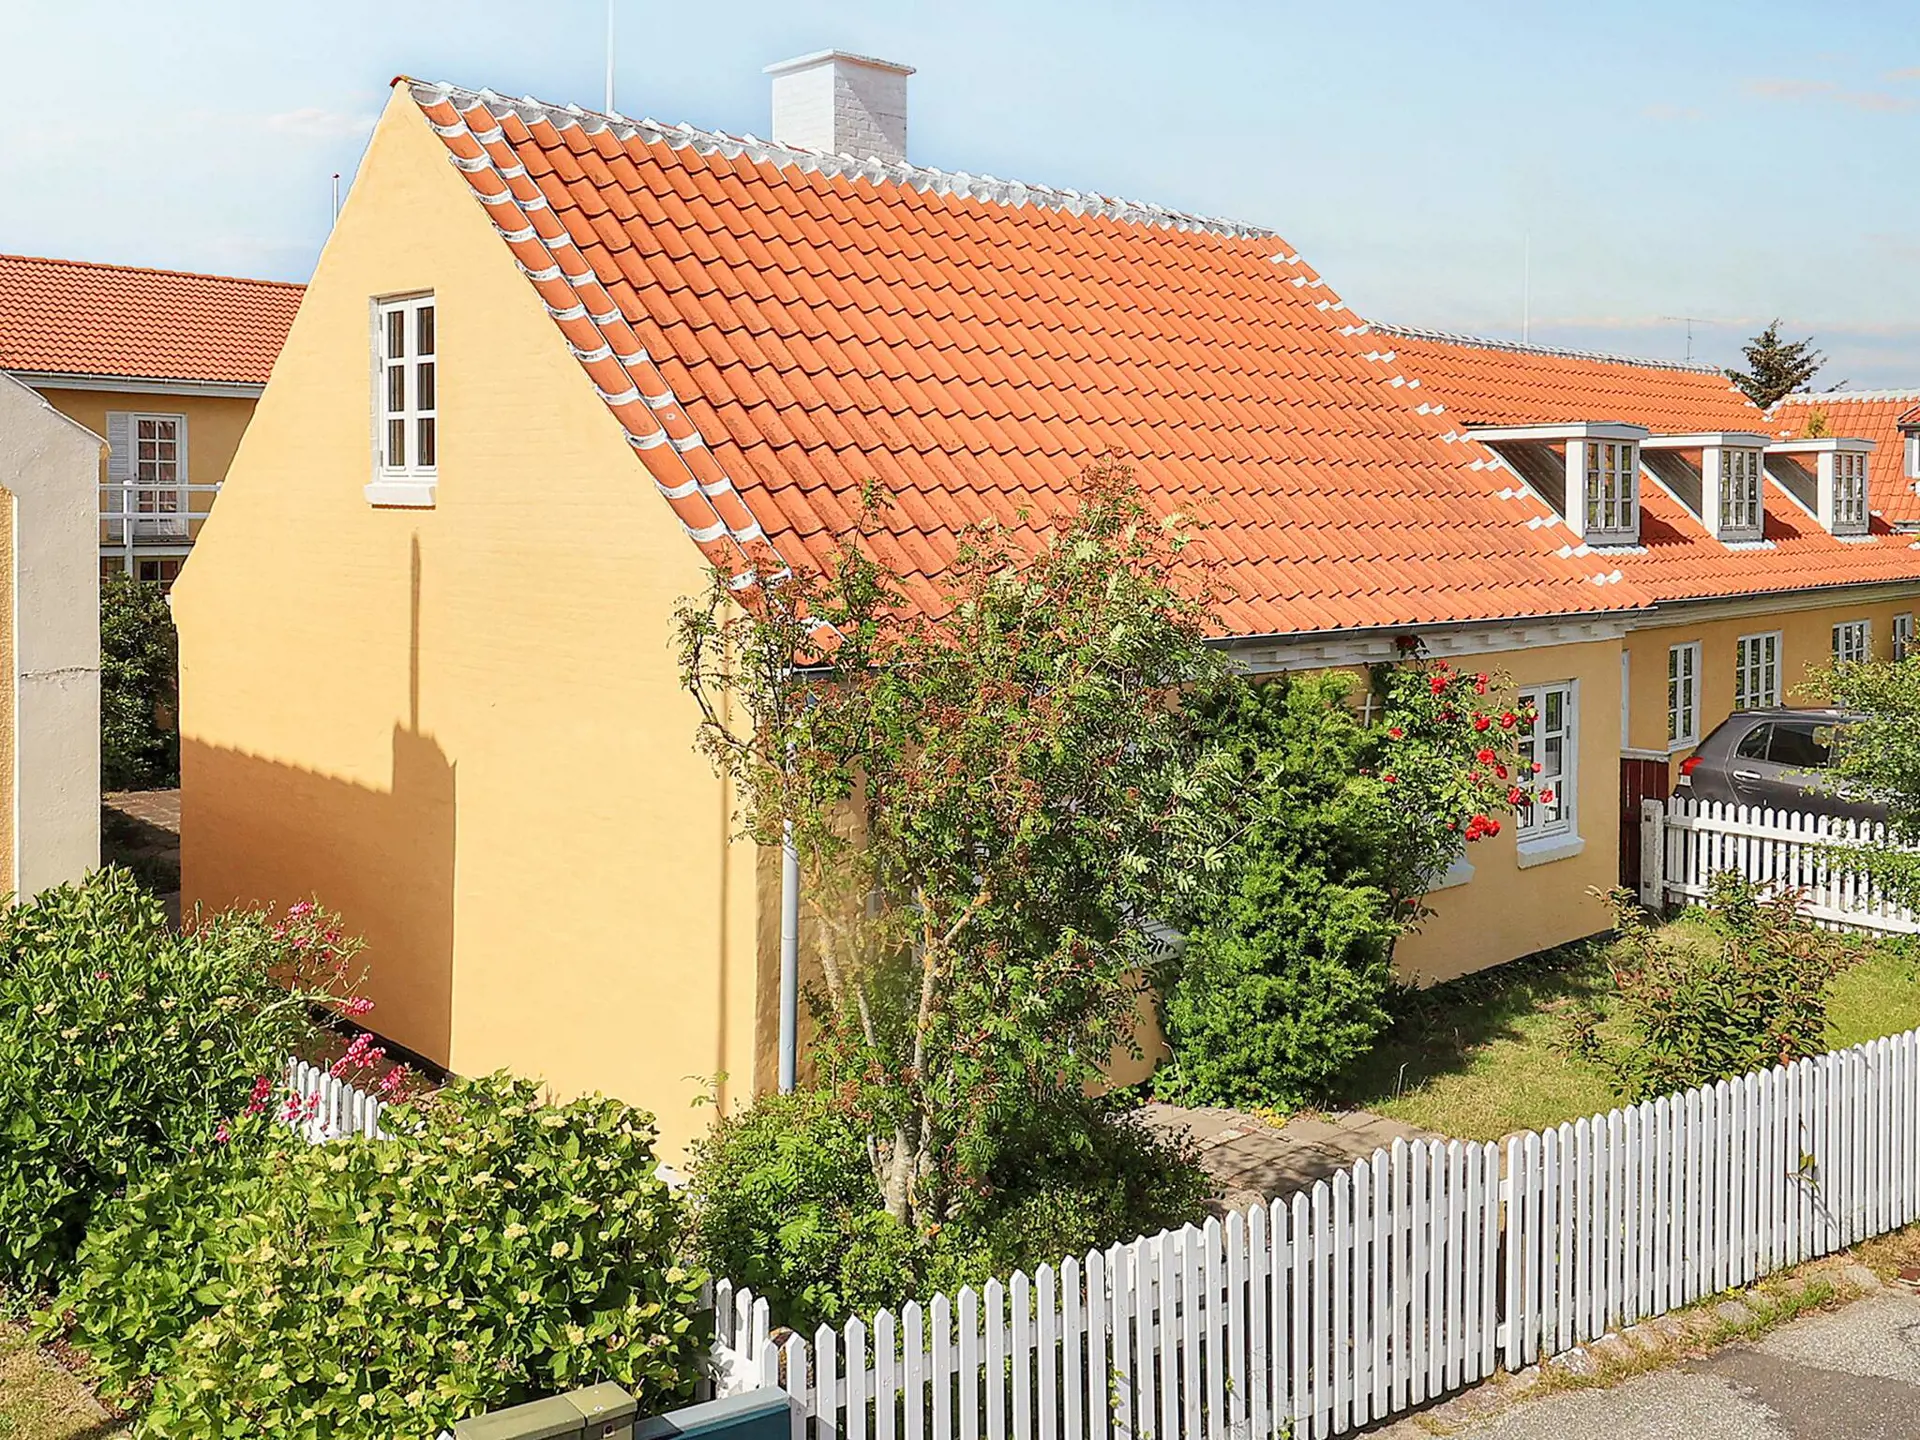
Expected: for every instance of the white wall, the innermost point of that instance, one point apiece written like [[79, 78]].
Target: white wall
[[51, 466]]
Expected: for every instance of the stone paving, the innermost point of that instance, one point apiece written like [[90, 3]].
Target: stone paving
[[1252, 1158], [140, 829]]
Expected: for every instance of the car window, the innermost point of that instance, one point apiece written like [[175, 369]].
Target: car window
[[1753, 745], [1798, 746]]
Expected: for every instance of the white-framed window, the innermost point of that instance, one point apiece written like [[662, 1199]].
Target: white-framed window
[[1683, 694], [1756, 671], [1551, 747], [1610, 471], [1903, 635], [405, 389], [1739, 489], [1852, 642], [1850, 490], [147, 473], [1913, 455]]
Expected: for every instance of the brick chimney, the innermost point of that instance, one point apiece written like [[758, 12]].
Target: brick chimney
[[842, 104]]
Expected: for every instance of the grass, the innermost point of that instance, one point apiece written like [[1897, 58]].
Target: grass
[[41, 1401], [1481, 1057]]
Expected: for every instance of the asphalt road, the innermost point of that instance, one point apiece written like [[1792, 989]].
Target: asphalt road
[[1854, 1372]]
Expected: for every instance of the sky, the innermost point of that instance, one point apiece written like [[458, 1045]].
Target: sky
[[1588, 173]]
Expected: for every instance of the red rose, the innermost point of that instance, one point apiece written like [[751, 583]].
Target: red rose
[[1501, 771], [1480, 683], [1437, 683], [1486, 757], [1507, 720], [1493, 827], [1397, 733], [1536, 767], [1546, 797], [1388, 778], [1481, 722], [1516, 795]]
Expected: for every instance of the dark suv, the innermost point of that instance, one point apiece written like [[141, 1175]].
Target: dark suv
[[1774, 757]]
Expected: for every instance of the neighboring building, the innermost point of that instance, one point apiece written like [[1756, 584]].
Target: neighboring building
[[554, 365], [1763, 552], [49, 646], [166, 365]]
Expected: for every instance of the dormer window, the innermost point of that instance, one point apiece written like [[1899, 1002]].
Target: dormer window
[[1827, 474], [1739, 489], [1589, 472], [1611, 467]]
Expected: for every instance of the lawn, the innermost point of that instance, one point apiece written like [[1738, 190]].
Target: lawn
[[40, 1401], [1481, 1057]]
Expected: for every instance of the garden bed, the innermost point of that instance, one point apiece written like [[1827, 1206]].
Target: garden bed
[[1483, 1056]]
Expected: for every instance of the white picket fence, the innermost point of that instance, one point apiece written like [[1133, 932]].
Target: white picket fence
[[1685, 842], [1408, 1276], [343, 1109]]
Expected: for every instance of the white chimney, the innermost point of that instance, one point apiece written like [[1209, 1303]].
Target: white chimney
[[842, 104]]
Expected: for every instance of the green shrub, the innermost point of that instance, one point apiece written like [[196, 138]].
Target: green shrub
[[1687, 1013], [124, 1046], [785, 1202], [139, 687], [495, 1251]]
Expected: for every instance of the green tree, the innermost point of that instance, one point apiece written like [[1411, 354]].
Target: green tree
[[991, 805], [1776, 368], [1878, 757], [139, 687], [1286, 975]]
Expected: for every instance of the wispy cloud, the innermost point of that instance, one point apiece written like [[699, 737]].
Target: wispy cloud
[[1898, 77], [1880, 101], [1663, 110], [312, 122]]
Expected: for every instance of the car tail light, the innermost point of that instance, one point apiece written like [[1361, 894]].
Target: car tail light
[[1689, 765]]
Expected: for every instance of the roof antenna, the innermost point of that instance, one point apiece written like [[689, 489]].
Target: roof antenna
[[1691, 321], [1527, 287], [610, 109], [336, 197]]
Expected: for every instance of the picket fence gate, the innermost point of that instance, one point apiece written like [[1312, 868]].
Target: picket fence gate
[[1411, 1274], [342, 1110], [1685, 842]]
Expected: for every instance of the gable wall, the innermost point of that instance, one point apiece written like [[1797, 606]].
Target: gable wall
[[462, 727]]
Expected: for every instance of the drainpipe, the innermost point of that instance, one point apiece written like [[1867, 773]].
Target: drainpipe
[[789, 960]]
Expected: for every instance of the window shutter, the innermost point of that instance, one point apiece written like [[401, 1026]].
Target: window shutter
[[119, 445], [180, 453]]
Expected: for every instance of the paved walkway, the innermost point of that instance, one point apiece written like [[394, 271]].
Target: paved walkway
[[140, 829], [1852, 1372], [1252, 1159]]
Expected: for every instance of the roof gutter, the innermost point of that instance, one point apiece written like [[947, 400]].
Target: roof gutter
[[138, 384]]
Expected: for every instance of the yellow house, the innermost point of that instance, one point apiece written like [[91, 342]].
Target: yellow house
[[554, 365], [165, 365]]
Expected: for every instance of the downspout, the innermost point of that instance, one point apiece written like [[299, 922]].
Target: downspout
[[789, 960]]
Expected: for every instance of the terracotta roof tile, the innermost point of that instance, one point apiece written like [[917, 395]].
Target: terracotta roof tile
[[971, 344], [1499, 383], [78, 318]]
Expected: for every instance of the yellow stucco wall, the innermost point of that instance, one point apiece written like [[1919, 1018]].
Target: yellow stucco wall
[[1806, 639], [462, 726], [214, 427], [1506, 911]]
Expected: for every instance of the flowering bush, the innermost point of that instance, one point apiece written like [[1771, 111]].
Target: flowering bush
[[495, 1250], [124, 1046], [1286, 979]]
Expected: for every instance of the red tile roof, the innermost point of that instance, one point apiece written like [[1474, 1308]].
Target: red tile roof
[[76, 318], [1487, 382], [772, 327], [1868, 415]]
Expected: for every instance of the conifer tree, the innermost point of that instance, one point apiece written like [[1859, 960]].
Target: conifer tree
[[1776, 368]]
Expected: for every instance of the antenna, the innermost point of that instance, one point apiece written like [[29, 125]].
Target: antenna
[[336, 196], [1526, 291], [1690, 321], [610, 109]]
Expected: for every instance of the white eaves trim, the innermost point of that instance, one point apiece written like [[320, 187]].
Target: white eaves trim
[[136, 385], [1546, 434], [1836, 444], [1723, 439]]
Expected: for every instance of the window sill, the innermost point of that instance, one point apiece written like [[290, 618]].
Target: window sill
[[406, 494], [1547, 849], [1458, 873]]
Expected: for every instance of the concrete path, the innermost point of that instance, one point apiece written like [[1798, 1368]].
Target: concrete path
[[1852, 1372], [1252, 1159]]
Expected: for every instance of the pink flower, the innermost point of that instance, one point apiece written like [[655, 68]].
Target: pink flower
[[299, 909], [100, 974], [262, 1089], [392, 1082], [356, 1005], [222, 1134]]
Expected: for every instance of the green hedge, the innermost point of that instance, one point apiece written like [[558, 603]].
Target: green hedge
[[139, 687]]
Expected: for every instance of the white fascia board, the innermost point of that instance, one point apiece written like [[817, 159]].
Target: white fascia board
[[1724, 439], [131, 385], [1582, 430], [1834, 443]]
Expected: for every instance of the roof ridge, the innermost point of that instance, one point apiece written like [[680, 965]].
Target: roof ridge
[[1524, 347], [151, 270], [1820, 397], [919, 177]]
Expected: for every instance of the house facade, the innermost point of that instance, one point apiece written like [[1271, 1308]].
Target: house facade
[[166, 365], [555, 366]]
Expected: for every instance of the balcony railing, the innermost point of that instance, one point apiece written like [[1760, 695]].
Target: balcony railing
[[133, 517]]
